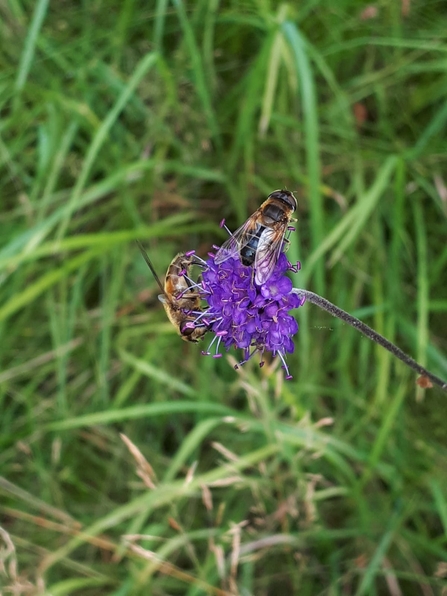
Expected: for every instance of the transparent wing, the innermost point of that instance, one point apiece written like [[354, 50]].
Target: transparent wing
[[267, 255], [232, 247]]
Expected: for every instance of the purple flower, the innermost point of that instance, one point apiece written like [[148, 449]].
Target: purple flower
[[248, 316]]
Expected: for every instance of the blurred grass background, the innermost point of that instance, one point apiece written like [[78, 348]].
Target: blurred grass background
[[153, 121]]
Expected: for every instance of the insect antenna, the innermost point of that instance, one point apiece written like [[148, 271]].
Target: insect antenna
[[151, 267]]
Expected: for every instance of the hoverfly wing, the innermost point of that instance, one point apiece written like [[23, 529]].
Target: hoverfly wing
[[232, 246], [267, 256]]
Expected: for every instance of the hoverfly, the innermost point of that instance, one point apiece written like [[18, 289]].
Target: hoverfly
[[180, 300], [260, 240]]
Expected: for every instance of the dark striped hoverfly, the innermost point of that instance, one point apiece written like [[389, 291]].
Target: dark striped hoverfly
[[260, 239]]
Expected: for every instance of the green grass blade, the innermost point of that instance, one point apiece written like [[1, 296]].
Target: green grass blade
[[40, 11], [102, 134], [310, 122]]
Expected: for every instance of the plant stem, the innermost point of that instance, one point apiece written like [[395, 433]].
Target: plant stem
[[335, 311]]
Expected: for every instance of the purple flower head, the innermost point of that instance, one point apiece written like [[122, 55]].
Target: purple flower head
[[246, 315]]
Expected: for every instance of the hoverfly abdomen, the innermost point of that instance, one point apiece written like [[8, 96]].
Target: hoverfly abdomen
[[248, 255], [248, 252]]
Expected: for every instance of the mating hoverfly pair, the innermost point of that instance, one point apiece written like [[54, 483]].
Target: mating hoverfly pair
[[257, 243]]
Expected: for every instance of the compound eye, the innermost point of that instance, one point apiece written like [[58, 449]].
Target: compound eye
[[187, 329]]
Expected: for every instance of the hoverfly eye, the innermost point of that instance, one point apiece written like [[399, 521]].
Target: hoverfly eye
[[187, 329]]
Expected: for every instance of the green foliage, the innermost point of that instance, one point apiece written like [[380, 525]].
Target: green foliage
[[153, 121]]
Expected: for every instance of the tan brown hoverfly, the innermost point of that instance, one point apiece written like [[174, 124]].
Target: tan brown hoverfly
[[260, 240], [180, 298]]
